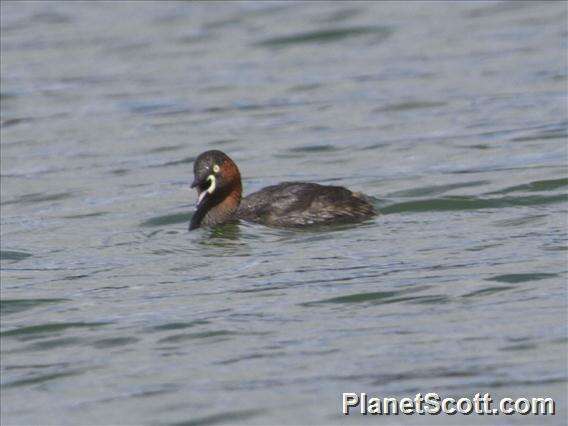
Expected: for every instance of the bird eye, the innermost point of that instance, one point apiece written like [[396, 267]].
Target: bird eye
[[216, 168]]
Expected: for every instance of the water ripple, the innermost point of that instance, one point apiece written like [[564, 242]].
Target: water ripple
[[327, 36]]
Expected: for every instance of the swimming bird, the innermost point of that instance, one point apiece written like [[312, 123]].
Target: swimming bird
[[288, 204]]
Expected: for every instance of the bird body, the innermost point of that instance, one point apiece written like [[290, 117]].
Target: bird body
[[288, 204]]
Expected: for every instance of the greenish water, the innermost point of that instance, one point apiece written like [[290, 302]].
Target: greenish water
[[452, 116]]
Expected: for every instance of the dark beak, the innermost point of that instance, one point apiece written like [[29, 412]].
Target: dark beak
[[200, 182]]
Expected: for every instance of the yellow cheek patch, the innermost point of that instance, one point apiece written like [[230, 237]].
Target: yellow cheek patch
[[213, 183]]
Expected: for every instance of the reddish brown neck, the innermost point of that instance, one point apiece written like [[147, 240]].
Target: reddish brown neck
[[222, 207]]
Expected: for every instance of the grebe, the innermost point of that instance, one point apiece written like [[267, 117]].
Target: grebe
[[288, 204]]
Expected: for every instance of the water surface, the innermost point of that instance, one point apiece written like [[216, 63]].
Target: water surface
[[453, 116]]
